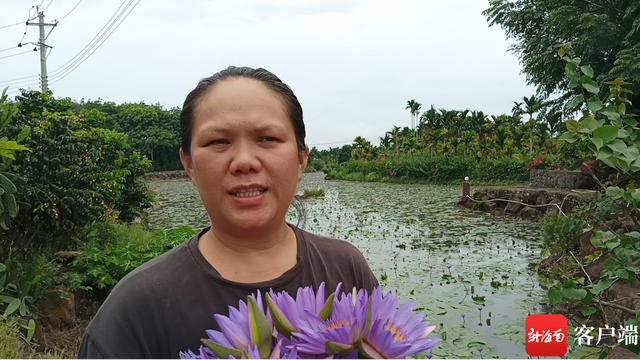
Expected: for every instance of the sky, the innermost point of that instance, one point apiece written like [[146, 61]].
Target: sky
[[353, 64]]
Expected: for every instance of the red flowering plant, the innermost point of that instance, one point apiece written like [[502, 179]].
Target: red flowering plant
[[548, 162]]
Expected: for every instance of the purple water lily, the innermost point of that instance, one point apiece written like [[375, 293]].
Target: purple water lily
[[394, 332], [340, 333], [288, 312], [235, 334]]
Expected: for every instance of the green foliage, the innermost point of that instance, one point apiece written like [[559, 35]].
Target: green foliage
[[313, 192], [9, 182], [12, 345], [559, 231], [74, 174], [125, 248], [594, 29], [20, 287]]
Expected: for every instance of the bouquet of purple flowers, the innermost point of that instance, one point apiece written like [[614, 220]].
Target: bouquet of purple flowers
[[310, 327]]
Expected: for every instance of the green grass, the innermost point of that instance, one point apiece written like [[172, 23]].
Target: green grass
[[11, 344], [313, 192]]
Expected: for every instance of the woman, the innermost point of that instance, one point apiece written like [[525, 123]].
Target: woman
[[243, 148]]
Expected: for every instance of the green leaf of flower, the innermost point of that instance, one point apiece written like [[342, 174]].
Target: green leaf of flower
[[571, 293], [589, 85], [280, 321], [600, 286], [576, 101], [326, 309], [332, 348], [606, 132], [259, 328], [555, 296], [614, 192], [594, 103], [587, 310], [587, 70], [221, 352]]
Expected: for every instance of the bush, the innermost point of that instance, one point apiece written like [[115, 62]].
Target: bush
[[355, 177], [313, 192], [505, 169], [559, 231], [102, 268], [12, 346], [372, 177], [74, 173]]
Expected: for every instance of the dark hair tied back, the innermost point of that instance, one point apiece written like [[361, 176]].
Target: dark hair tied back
[[292, 106]]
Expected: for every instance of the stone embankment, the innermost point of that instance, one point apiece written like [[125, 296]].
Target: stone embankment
[[526, 202], [167, 175]]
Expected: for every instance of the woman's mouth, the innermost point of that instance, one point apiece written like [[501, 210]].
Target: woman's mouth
[[248, 192]]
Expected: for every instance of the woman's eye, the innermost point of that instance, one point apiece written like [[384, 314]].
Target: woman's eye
[[269, 139]]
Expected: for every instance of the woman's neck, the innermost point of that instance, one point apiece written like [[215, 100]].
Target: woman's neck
[[251, 258]]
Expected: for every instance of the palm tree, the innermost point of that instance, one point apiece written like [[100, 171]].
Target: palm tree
[[413, 106], [532, 106]]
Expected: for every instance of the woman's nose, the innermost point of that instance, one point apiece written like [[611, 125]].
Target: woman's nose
[[245, 159]]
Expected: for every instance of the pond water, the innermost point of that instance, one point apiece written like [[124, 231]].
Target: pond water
[[451, 261]]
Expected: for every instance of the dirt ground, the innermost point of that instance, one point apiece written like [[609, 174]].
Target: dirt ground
[[65, 342]]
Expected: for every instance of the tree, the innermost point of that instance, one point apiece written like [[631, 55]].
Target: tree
[[413, 106], [604, 34], [532, 106]]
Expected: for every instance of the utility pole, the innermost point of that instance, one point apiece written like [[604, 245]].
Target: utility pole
[[43, 49]]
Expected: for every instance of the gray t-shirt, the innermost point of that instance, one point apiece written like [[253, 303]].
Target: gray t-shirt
[[164, 306]]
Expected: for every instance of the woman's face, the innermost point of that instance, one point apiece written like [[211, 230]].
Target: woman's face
[[244, 157]]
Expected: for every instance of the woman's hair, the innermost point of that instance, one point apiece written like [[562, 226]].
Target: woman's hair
[[291, 104]]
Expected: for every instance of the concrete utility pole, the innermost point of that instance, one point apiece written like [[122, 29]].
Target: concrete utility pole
[[43, 49]]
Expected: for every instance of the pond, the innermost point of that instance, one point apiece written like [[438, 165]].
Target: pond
[[473, 274]]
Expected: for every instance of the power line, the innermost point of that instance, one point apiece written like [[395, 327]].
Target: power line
[[79, 61], [335, 142], [8, 56], [6, 26], [70, 11], [114, 18]]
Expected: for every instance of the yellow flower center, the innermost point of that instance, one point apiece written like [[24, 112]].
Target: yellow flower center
[[395, 330], [338, 323]]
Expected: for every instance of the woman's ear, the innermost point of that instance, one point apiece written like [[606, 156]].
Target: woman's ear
[[303, 158], [188, 166]]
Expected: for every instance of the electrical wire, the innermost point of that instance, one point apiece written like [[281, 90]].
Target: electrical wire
[[8, 56], [91, 41], [6, 26], [60, 76], [45, 9], [70, 11]]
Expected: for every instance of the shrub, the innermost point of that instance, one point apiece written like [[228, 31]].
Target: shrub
[[101, 268], [74, 174], [354, 177], [559, 231], [313, 192], [372, 177], [12, 346]]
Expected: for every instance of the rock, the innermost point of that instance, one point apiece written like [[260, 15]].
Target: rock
[[547, 263], [67, 256], [624, 295], [619, 231], [586, 248], [327, 177], [514, 207], [55, 310], [542, 199], [480, 194], [489, 206], [630, 226], [532, 199], [595, 268], [619, 352], [529, 213], [613, 224]]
